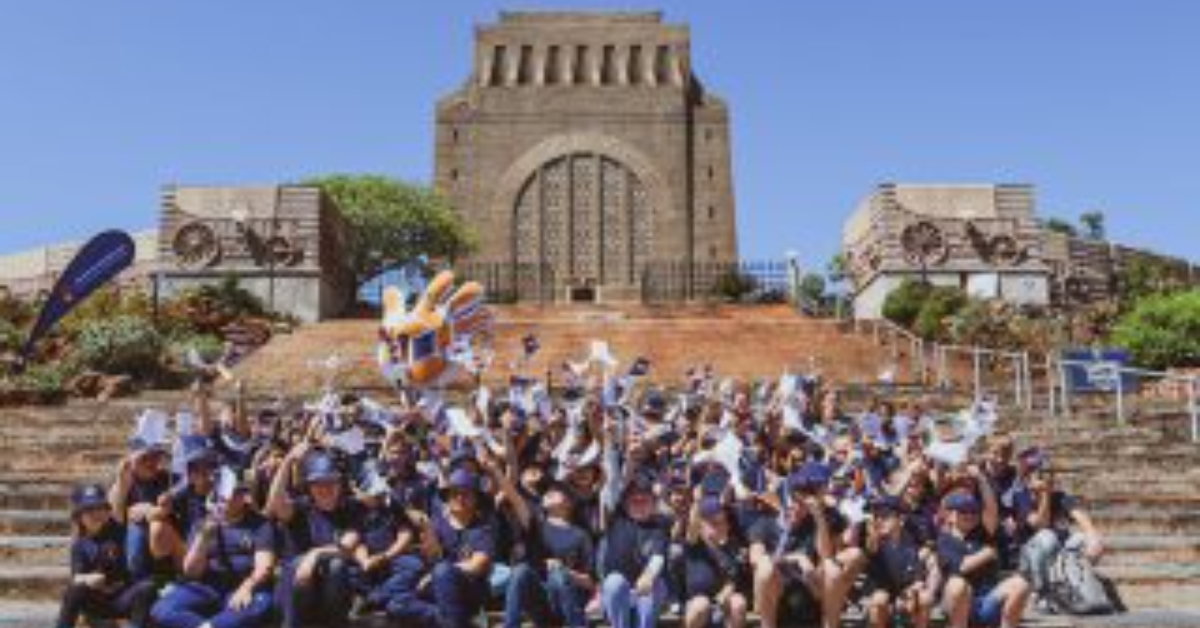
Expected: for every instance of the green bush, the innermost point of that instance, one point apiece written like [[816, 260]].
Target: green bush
[[209, 347], [734, 285], [903, 305], [1162, 331], [14, 310], [46, 380], [232, 299], [937, 310], [121, 345], [104, 304], [10, 336]]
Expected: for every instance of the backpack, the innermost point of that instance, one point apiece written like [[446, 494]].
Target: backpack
[[1076, 588]]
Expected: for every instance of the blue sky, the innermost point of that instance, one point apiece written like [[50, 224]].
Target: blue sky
[[1096, 102]]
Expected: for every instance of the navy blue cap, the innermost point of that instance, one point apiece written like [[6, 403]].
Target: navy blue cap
[[641, 482], [321, 467], [462, 480], [196, 451], [810, 476], [961, 501], [654, 403], [88, 496], [886, 504]]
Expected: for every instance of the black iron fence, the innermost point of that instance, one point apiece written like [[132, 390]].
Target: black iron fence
[[755, 281], [510, 283]]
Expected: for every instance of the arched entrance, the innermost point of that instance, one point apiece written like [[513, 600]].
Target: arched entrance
[[587, 218]]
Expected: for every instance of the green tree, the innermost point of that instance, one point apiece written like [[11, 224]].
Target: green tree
[[903, 305], [938, 311], [1163, 331], [812, 292], [1143, 277], [837, 272], [1093, 225], [394, 221]]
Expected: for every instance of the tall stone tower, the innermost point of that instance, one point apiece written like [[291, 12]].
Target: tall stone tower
[[585, 153]]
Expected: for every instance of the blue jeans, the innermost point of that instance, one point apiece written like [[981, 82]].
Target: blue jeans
[[553, 600], [403, 575], [137, 550], [453, 600], [625, 609], [326, 598], [190, 604]]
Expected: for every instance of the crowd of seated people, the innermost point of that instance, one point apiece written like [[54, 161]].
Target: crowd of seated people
[[610, 500]]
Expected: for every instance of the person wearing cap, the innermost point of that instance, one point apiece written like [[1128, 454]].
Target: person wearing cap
[[902, 577], [101, 586], [458, 542], [973, 593], [227, 571], [1047, 521], [142, 478], [633, 591], [802, 549], [184, 507], [387, 555], [717, 570], [320, 533], [554, 581]]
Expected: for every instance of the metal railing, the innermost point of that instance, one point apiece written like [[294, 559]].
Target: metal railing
[[1061, 392]]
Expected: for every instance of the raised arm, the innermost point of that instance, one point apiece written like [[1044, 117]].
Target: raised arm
[[279, 501], [991, 507]]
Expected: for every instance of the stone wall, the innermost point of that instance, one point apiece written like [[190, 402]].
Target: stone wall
[[284, 243]]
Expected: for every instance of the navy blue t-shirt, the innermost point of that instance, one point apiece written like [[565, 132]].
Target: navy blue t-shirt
[[188, 509], [461, 543], [920, 524], [801, 538], [148, 491], [1025, 503], [952, 550], [231, 551], [380, 526], [629, 545], [103, 553], [710, 568], [895, 565], [311, 527], [567, 543]]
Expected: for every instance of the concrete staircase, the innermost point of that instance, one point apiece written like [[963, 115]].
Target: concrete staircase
[[746, 342], [1141, 481]]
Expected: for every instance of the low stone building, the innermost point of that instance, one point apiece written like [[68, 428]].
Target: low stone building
[[987, 240], [984, 239], [585, 153], [283, 243]]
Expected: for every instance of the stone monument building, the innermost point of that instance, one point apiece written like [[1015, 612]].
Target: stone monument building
[[583, 151], [984, 239], [283, 243], [987, 240]]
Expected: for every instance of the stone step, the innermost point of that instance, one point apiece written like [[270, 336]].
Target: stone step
[[1134, 520], [38, 614], [33, 582], [34, 550], [34, 523], [1128, 550]]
